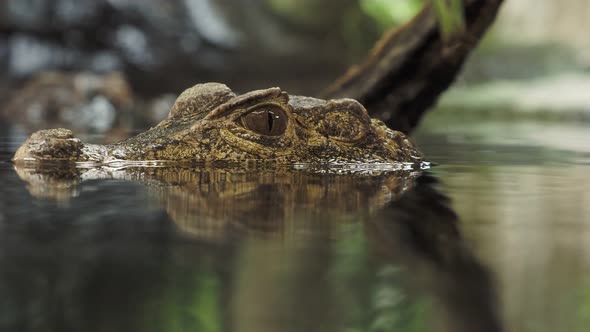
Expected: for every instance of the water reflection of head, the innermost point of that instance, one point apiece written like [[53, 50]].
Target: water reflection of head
[[416, 233], [205, 201]]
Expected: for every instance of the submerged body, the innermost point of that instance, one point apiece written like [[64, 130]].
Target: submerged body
[[210, 123]]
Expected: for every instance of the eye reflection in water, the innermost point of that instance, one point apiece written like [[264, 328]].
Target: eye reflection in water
[[256, 250]]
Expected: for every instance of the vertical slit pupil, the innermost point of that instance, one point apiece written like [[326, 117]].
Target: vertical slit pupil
[[265, 121], [270, 117]]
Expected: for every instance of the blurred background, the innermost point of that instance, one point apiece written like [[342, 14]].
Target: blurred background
[[113, 57], [112, 60]]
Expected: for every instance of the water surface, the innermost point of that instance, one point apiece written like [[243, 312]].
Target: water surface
[[521, 191], [494, 238]]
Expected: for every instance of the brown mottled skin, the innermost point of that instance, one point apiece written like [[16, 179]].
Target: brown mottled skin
[[206, 124]]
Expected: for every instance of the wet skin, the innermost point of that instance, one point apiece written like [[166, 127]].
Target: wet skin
[[210, 123]]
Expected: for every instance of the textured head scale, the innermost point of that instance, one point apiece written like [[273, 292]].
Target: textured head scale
[[200, 100]]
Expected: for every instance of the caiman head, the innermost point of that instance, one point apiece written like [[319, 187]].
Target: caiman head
[[210, 123]]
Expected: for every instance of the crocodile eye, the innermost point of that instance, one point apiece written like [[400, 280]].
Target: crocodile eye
[[268, 121]]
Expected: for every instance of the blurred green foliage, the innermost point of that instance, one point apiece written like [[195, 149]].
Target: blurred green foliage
[[389, 13], [362, 294], [373, 292], [354, 25], [191, 299], [582, 302]]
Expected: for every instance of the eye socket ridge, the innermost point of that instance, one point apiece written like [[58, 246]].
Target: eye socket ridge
[[266, 120]]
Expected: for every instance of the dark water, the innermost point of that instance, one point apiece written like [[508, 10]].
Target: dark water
[[494, 238]]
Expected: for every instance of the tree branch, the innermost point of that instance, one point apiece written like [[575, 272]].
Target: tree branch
[[411, 66]]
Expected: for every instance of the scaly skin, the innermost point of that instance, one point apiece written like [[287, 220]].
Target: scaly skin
[[206, 124]]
